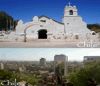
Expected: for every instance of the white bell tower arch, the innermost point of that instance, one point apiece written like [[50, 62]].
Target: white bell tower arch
[[73, 23], [70, 10]]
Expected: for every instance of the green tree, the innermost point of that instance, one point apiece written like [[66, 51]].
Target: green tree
[[4, 75], [80, 77], [6, 21]]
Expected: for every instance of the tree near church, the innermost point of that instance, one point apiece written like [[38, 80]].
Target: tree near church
[[6, 22]]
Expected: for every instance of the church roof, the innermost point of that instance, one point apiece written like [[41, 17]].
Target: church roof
[[50, 18]]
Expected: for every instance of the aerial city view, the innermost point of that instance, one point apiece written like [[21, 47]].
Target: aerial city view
[[49, 67], [49, 43]]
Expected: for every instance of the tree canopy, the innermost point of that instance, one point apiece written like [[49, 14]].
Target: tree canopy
[[6, 21], [81, 77]]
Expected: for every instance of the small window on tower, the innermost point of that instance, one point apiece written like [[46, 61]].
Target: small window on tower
[[71, 12]]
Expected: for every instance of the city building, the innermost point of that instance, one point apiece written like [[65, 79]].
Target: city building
[[74, 66], [60, 64], [1, 66], [91, 59], [42, 62]]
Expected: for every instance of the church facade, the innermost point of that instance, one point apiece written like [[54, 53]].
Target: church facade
[[72, 28]]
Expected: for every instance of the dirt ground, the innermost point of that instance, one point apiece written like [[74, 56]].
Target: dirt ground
[[45, 44]]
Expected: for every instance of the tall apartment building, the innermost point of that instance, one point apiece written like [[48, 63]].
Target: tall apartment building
[[60, 63]]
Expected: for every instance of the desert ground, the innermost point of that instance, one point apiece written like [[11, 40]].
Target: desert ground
[[47, 44]]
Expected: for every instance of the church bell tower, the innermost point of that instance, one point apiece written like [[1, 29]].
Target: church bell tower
[[73, 23], [70, 10], [71, 19]]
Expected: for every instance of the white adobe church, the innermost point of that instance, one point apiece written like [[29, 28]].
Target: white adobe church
[[72, 28]]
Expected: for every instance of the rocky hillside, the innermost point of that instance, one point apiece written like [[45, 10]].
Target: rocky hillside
[[94, 27]]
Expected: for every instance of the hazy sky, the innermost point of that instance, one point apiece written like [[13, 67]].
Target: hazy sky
[[31, 54], [26, 9]]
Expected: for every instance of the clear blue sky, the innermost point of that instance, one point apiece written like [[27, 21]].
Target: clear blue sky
[[34, 54], [26, 9]]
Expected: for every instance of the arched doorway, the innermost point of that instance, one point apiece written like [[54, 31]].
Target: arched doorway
[[42, 34]]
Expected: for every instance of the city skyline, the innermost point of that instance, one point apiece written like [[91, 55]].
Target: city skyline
[[25, 9], [34, 54]]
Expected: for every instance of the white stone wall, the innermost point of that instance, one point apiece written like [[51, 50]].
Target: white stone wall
[[73, 28], [54, 29]]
